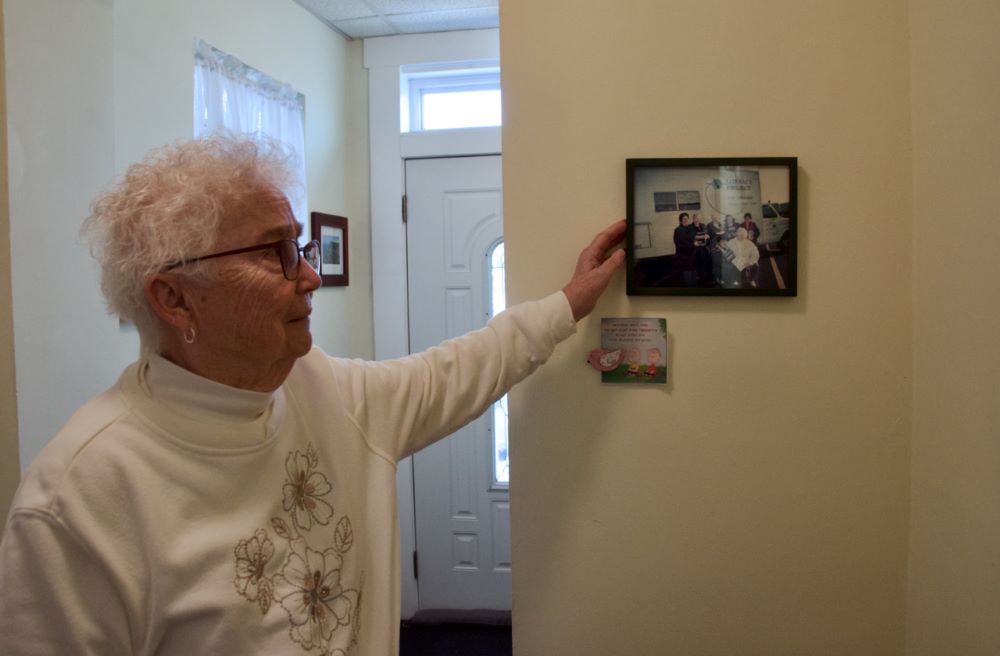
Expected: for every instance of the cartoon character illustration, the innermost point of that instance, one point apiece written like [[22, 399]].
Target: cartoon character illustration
[[604, 360], [652, 359], [633, 356]]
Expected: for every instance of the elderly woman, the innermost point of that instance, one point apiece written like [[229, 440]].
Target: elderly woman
[[742, 257], [234, 492]]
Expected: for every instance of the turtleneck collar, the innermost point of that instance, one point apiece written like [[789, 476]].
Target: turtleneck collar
[[201, 412], [200, 398]]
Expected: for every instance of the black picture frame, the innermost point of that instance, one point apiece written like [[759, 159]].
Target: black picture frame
[[330, 231], [667, 258]]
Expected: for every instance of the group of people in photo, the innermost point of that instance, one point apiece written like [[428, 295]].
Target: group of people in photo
[[721, 253]]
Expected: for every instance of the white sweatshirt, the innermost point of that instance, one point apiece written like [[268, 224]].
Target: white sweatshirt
[[174, 515]]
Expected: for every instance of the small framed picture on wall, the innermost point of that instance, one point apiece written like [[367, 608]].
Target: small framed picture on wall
[[331, 233], [712, 226]]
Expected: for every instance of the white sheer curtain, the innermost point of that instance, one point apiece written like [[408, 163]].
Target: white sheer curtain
[[233, 97]]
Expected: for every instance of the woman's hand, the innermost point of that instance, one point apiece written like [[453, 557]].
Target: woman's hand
[[594, 269]]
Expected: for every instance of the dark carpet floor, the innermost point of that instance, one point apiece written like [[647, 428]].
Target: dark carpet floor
[[455, 640], [445, 633]]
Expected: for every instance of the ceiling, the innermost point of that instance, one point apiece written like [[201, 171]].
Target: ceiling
[[361, 19]]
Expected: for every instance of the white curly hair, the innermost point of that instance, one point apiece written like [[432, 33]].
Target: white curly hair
[[168, 208]]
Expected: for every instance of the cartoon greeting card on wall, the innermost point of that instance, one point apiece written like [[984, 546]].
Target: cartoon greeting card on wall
[[633, 350]]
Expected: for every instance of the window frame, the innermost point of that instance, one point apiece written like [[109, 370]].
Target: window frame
[[442, 78]]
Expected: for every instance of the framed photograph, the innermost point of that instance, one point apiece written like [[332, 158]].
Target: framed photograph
[[331, 233], [711, 226]]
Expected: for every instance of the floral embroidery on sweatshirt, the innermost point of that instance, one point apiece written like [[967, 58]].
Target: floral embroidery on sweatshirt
[[323, 614]]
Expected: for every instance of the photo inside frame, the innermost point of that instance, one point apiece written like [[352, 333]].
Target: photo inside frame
[[712, 227]]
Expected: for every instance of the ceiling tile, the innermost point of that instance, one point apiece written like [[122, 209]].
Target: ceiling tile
[[443, 21], [393, 7], [336, 10], [361, 19], [363, 28]]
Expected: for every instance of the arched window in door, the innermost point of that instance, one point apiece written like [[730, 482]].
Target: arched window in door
[[498, 301]]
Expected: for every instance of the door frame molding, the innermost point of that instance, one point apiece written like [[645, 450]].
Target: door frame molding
[[383, 57]]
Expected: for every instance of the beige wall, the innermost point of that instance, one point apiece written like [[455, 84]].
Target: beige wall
[[758, 503], [60, 122], [9, 471], [954, 596]]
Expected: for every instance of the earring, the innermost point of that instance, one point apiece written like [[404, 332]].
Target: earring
[[189, 335]]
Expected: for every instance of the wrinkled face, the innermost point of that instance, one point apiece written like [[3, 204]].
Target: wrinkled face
[[249, 312]]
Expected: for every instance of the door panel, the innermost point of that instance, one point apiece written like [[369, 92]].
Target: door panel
[[454, 218]]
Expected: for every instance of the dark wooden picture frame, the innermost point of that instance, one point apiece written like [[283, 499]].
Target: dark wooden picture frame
[[331, 233], [745, 243]]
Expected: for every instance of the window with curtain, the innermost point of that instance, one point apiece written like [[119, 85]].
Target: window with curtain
[[233, 97]]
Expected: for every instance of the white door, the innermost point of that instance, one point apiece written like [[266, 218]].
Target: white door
[[454, 222]]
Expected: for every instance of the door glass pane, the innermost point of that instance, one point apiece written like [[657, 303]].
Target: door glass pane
[[498, 301]]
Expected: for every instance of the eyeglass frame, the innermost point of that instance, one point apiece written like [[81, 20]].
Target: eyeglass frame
[[300, 252]]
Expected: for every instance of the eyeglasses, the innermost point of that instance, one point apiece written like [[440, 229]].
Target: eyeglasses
[[288, 250]]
